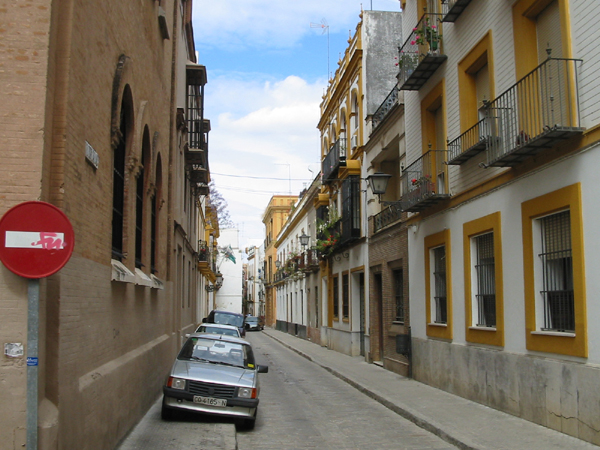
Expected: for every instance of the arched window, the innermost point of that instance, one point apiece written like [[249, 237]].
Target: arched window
[[139, 199], [125, 126], [155, 205]]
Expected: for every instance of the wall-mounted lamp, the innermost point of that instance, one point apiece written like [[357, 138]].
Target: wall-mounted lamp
[[379, 183], [217, 285], [304, 239], [278, 264]]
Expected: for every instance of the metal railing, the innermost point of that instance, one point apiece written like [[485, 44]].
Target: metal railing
[[335, 159], [471, 142], [535, 113], [451, 9], [386, 217], [390, 101], [424, 41], [425, 181]]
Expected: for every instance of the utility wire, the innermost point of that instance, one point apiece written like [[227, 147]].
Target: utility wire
[[259, 178]]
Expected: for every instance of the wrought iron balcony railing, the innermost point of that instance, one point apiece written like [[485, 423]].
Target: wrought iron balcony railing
[[470, 143], [390, 101], [536, 113], [424, 182], [451, 9], [335, 159], [421, 54], [386, 217], [206, 257]]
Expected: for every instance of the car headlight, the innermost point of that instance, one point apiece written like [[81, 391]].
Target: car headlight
[[247, 392], [176, 383]]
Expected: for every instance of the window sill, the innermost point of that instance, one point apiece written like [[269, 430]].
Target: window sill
[[121, 273], [483, 328], [441, 325], [554, 333]]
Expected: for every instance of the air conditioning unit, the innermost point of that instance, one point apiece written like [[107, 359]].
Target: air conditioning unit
[[353, 142]]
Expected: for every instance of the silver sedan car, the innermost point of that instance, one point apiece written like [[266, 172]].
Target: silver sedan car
[[214, 375]]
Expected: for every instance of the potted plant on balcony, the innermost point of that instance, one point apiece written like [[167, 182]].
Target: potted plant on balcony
[[407, 62], [427, 33]]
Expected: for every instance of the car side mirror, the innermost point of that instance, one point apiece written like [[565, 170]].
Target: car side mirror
[[187, 335], [262, 369], [204, 320]]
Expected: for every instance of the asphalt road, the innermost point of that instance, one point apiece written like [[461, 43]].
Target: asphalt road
[[305, 407]]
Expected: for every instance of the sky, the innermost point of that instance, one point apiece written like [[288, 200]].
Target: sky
[[267, 63]]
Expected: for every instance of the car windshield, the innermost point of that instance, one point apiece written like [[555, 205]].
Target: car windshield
[[229, 319], [217, 352], [218, 330], [251, 319]]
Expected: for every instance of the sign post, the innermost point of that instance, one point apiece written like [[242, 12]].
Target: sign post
[[36, 241]]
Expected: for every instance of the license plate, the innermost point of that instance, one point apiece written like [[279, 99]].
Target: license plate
[[210, 401]]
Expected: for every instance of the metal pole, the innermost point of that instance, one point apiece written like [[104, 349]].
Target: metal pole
[[33, 311]]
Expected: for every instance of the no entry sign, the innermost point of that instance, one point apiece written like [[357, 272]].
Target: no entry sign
[[36, 239]]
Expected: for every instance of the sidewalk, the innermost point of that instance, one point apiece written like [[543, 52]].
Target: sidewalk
[[461, 422]]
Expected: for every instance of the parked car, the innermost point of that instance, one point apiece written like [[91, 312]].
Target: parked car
[[217, 328], [226, 318], [214, 375], [253, 323]]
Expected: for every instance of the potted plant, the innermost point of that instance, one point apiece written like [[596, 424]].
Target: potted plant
[[427, 33]]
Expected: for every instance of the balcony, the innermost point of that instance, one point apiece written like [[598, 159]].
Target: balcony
[[470, 143], [421, 54], [390, 101], [387, 216], [451, 9], [537, 113], [335, 159], [206, 259], [424, 182]]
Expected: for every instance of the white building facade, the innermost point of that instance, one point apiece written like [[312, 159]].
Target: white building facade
[[502, 145]]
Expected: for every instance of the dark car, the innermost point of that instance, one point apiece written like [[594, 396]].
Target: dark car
[[215, 375], [254, 323], [226, 318]]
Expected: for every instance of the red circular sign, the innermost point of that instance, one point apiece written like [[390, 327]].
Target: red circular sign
[[36, 239]]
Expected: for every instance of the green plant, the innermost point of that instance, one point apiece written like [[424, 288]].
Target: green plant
[[427, 33]]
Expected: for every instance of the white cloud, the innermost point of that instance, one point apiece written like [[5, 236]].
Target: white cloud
[[262, 142], [237, 24]]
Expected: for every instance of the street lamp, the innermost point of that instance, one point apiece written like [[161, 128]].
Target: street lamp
[[379, 183], [217, 285], [278, 264], [304, 239]]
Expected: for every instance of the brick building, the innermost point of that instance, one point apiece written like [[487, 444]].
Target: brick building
[[89, 123]]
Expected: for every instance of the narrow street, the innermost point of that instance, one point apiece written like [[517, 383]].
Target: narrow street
[[302, 407]]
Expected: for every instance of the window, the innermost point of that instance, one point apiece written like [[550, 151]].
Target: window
[[554, 273], [351, 208], [139, 218], [438, 288], [336, 300], [345, 297], [119, 181], [557, 272], [398, 294], [484, 303], [486, 280], [316, 306], [439, 293]]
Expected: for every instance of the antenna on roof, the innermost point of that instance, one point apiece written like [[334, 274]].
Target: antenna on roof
[[325, 28]]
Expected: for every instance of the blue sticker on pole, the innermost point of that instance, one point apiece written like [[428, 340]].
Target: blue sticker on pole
[[32, 361]]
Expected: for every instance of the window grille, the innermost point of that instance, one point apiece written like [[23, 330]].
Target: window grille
[[139, 218], [119, 189], [486, 280], [336, 301], [399, 294], [345, 296], [439, 275], [351, 208], [557, 265]]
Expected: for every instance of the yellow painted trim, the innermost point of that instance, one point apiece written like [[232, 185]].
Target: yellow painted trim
[[432, 101], [352, 168], [525, 33], [430, 242], [471, 229], [477, 58], [358, 269], [566, 198]]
